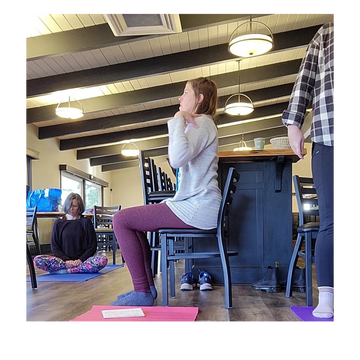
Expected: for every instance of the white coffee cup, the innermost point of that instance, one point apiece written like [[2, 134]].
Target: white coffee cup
[[259, 143]]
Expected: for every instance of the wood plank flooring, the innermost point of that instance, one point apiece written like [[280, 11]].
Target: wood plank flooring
[[56, 301]]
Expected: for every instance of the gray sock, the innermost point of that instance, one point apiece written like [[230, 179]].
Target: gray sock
[[123, 295], [152, 289], [135, 299]]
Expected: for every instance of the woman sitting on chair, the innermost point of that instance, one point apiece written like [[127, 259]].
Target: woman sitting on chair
[[73, 243], [193, 147]]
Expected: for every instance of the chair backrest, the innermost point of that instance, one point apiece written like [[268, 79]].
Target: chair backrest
[[169, 184], [229, 189], [31, 219], [306, 199], [103, 216], [148, 176], [161, 179]]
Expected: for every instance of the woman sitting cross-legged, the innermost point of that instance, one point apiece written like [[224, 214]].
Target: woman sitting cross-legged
[[73, 243]]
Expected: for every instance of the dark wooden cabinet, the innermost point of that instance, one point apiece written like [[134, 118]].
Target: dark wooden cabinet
[[260, 222]]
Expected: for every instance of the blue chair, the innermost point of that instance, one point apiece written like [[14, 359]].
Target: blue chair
[[152, 194], [103, 225], [169, 235], [32, 232], [308, 229]]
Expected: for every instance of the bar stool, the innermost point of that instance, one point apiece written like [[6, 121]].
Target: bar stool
[[308, 210]]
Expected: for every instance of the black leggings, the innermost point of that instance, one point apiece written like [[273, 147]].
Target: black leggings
[[323, 175]]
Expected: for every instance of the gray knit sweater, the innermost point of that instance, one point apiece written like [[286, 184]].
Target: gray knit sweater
[[194, 152]]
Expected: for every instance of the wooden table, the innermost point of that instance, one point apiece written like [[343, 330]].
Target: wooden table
[[260, 222]]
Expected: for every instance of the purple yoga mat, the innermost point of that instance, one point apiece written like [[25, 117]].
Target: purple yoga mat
[[305, 314], [75, 277]]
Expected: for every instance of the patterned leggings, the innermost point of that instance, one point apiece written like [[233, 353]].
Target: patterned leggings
[[54, 265]]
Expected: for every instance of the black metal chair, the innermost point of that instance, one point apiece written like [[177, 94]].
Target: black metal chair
[[168, 236], [152, 195], [308, 229], [32, 231], [103, 225]]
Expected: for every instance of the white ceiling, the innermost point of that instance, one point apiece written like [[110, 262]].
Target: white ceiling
[[54, 52]]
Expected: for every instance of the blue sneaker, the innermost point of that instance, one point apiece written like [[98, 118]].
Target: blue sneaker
[[204, 281], [187, 282]]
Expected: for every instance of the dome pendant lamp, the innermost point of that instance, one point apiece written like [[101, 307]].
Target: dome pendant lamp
[[239, 104], [130, 149], [251, 38], [69, 112], [242, 145]]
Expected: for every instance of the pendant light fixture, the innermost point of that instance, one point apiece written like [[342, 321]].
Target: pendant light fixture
[[130, 149], [68, 110], [242, 144], [251, 38], [239, 104]]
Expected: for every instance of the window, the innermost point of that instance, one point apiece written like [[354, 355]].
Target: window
[[90, 188], [70, 183], [92, 194]]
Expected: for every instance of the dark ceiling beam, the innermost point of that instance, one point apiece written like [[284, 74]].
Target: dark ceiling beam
[[156, 65], [226, 136], [114, 137], [168, 91], [109, 122], [116, 149], [196, 21], [119, 166], [94, 37], [134, 163], [250, 127], [225, 144], [104, 154], [258, 113], [111, 159], [159, 130]]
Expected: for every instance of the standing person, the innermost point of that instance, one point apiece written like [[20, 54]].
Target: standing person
[[315, 82], [73, 242], [193, 148]]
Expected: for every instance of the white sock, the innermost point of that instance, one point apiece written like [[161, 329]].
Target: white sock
[[325, 308], [334, 301]]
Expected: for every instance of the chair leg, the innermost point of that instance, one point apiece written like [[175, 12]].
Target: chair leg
[[293, 262], [308, 268], [171, 267], [164, 273], [36, 238], [154, 253], [114, 248], [227, 275], [31, 268]]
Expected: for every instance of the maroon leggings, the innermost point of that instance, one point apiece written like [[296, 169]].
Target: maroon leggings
[[130, 227]]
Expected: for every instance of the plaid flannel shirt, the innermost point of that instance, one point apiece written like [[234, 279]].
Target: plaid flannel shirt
[[315, 82]]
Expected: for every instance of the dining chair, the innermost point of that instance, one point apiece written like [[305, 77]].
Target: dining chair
[[307, 230], [32, 232], [168, 236], [103, 225], [152, 195]]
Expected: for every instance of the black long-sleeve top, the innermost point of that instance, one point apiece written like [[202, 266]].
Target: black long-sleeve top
[[73, 239]]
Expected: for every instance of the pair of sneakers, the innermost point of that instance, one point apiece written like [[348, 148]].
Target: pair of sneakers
[[188, 282]]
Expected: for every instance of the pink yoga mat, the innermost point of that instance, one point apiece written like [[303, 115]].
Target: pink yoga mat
[[152, 313]]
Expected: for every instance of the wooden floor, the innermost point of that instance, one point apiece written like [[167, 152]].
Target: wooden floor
[[63, 301]]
